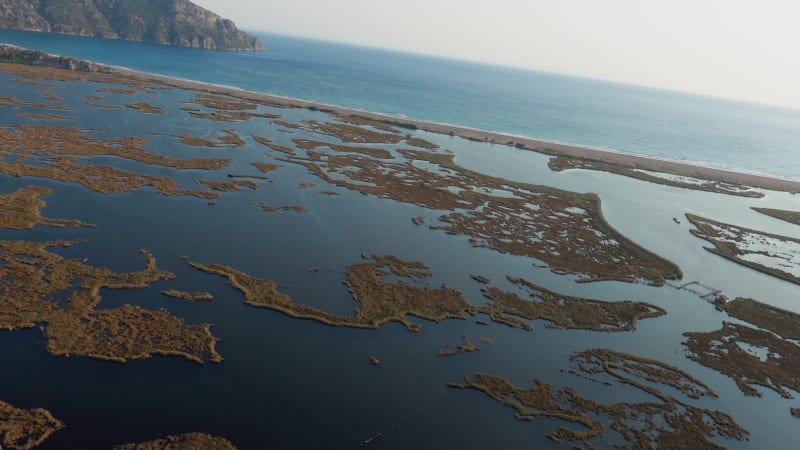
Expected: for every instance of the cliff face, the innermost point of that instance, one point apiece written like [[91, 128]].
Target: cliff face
[[170, 22]]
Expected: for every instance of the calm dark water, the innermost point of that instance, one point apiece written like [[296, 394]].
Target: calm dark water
[[295, 384], [614, 116]]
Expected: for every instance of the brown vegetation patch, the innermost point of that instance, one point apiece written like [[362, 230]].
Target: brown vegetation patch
[[277, 147], [53, 152], [265, 167], [190, 296], [359, 120], [564, 311], [788, 216], [779, 321], [225, 109], [116, 90], [663, 423], [190, 441], [47, 117], [35, 276], [229, 186], [565, 229], [146, 108], [751, 357], [129, 333], [24, 429], [53, 97], [421, 143], [268, 207], [33, 82], [13, 101], [778, 256], [229, 139], [351, 133], [561, 163], [467, 347], [21, 210], [380, 153], [305, 185], [379, 301], [103, 106]]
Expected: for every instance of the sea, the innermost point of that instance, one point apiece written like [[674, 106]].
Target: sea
[[287, 383], [707, 131]]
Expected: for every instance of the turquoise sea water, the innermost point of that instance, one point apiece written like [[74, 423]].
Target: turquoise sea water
[[671, 125]]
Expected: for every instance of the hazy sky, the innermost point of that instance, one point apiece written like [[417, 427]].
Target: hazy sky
[[741, 49]]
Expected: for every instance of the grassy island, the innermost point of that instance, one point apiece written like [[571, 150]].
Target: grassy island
[[187, 441], [751, 357], [381, 301], [781, 322], [24, 429], [781, 214], [190, 296], [563, 311], [56, 152], [561, 163], [21, 210], [772, 254], [78, 327], [664, 423], [565, 229]]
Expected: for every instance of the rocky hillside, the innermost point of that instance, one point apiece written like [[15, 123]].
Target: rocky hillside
[[170, 22]]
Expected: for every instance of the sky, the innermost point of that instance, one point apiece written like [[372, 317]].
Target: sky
[[740, 49]]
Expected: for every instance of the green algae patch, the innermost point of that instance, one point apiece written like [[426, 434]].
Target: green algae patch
[[189, 441], [21, 210], [781, 214], [24, 429], [750, 357], [779, 321], [564, 311], [190, 296], [661, 423], [768, 253]]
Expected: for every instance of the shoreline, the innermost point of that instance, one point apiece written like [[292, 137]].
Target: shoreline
[[542, 146]]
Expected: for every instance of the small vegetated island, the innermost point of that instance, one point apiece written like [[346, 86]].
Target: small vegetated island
[[382, 300], [664, 422], [767, 356], [772, 254], [378, 158]]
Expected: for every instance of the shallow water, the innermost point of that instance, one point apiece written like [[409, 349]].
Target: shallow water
[[288, 383]]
